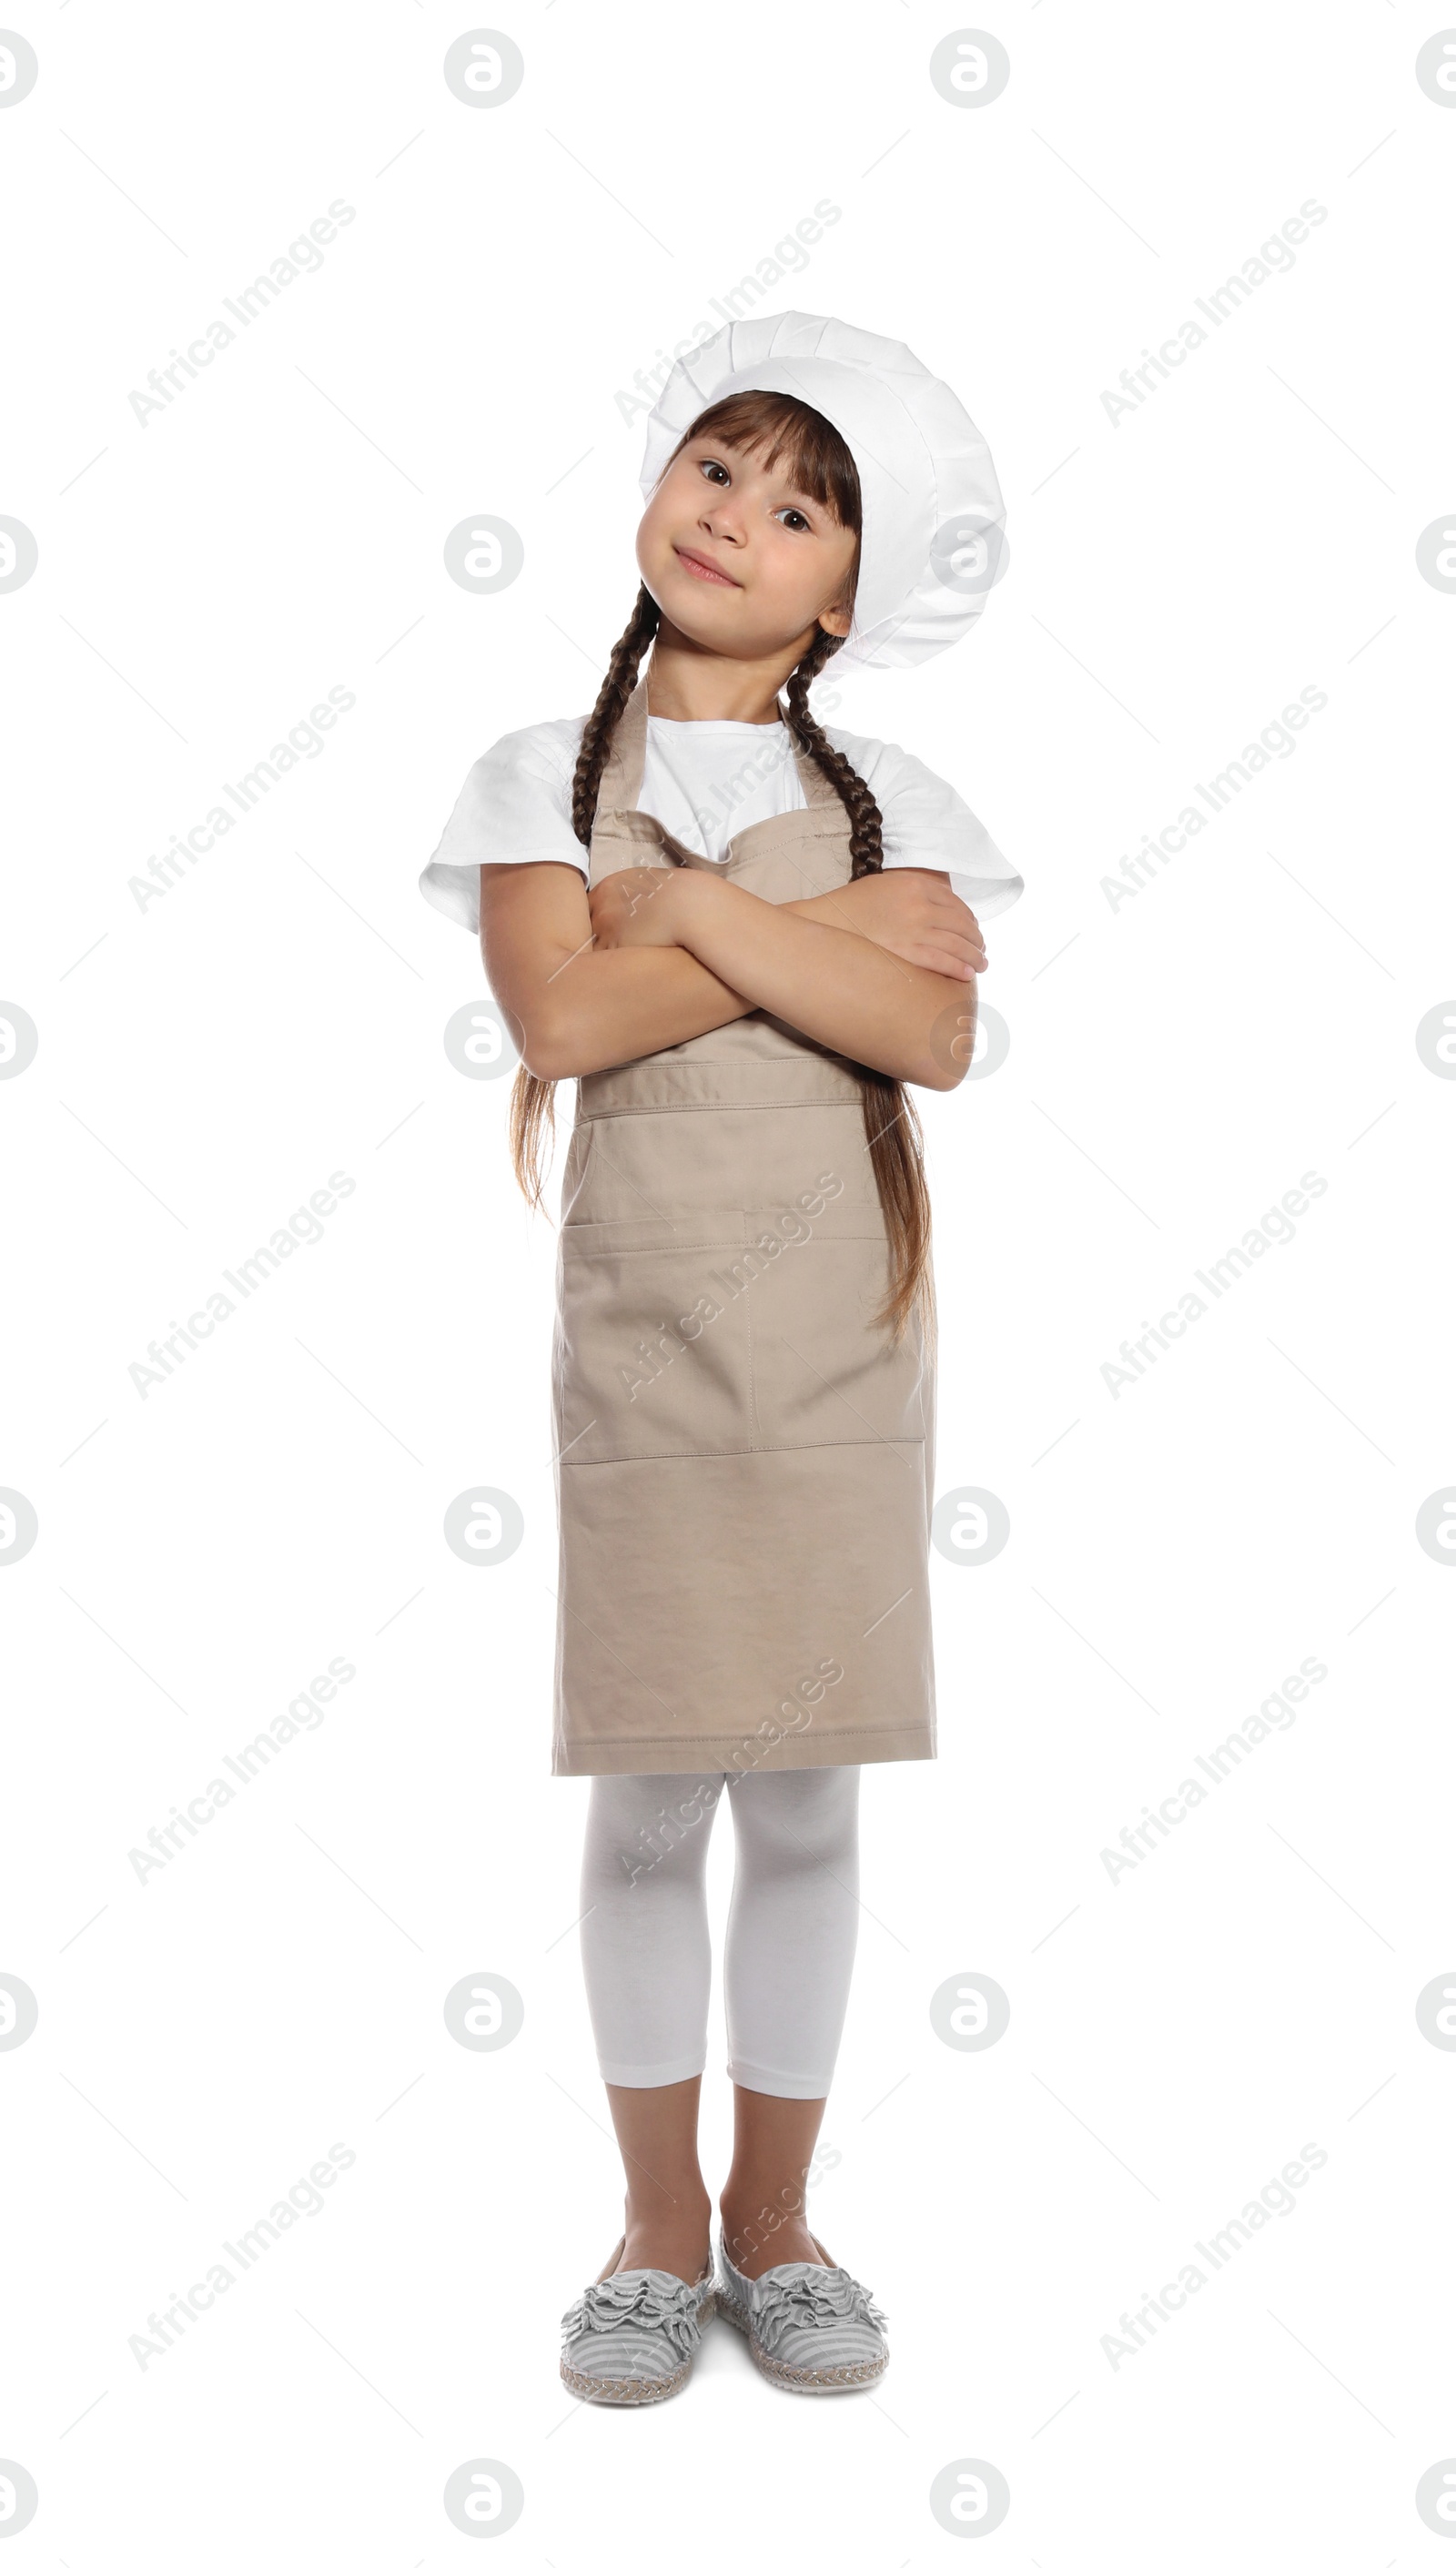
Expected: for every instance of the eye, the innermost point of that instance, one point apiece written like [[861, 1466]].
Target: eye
[[796, 521], [711, 468]]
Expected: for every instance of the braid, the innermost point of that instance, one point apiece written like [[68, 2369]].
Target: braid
[[892, 1129], [865, 851], [532, 1100], [607, 712]]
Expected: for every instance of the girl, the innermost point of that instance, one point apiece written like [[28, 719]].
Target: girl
[[740, 934]]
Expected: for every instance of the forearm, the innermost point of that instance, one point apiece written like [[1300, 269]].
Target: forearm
[[604, 1007], [875, 969], [595, 1014], [829, 909], [840, 989]]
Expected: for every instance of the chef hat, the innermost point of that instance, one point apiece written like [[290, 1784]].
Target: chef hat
[[931, 545]]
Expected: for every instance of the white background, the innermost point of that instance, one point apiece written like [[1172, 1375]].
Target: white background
[[1176, 1063]]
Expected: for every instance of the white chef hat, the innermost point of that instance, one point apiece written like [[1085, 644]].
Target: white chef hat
[[931, 545]]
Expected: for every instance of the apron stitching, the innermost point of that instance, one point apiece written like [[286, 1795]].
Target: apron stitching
[[710, 1106], [737, 1452], [674, 1248], [755, 1422], [622, 1739]]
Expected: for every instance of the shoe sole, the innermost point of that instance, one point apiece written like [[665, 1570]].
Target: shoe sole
[[632, 2391], [855, 2375]]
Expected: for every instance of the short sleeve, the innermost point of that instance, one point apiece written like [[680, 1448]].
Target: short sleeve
[[513, 808], [927, 824]]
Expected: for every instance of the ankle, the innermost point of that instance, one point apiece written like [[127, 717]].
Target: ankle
[[685, 2204], [675, 2235], [759, 2232]]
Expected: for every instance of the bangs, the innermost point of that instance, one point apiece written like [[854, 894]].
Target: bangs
[[782, 432]]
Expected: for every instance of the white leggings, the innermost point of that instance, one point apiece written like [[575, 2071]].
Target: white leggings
[[791, 1929]]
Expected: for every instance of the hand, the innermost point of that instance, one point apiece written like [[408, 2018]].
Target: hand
[[640, 905], [909, 911]]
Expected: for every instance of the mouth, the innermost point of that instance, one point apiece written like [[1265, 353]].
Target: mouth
[[703, 568]]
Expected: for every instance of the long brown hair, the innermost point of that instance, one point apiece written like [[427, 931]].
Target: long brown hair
[[778, 427]]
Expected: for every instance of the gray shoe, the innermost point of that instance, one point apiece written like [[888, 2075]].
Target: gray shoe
[[809, 2326], [631, 2338]]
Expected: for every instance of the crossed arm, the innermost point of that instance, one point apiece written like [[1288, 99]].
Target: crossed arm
[[882, 970]]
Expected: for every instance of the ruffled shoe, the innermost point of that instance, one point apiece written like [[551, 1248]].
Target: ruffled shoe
[[631, 2338], [809, 2326]]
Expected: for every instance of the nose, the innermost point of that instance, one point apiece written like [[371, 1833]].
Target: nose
[[718, 518]]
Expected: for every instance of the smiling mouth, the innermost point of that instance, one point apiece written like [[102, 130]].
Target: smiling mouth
[[703, 568]]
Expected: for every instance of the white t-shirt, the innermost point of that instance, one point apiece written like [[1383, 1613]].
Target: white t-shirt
[[704, 782]]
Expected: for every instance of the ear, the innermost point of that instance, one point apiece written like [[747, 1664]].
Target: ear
[[835, 620]]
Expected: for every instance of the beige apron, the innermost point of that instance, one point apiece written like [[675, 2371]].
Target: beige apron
[[745, 1461]]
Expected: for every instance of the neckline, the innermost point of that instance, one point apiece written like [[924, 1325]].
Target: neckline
[[670, 721], [622, 775]]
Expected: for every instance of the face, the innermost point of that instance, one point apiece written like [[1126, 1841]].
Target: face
[[739, 559]]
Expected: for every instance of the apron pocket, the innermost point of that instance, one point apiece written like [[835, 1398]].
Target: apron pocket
[[824, 1373], [653, 1352]]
